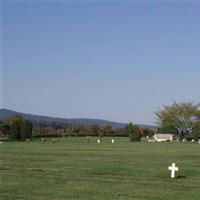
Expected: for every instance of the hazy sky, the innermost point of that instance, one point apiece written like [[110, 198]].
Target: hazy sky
[[116, 61]]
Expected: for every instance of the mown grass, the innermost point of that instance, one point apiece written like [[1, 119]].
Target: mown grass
[[75, 170]]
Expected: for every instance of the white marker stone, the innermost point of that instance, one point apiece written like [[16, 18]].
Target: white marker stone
[[98, 141], [173, 169], [113, 141]]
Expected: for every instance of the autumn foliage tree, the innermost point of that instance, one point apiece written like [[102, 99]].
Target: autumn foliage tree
[[94, 129], [75, 130], [105, 130]]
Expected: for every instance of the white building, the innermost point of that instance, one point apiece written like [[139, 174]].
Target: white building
[[159, 137]]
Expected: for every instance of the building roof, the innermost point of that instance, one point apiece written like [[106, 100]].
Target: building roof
[[163, 136]]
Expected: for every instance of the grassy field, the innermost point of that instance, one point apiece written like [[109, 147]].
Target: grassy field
[[75, 170]]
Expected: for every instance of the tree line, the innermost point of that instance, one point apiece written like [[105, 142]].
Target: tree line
[[16, 127], [169, 120]]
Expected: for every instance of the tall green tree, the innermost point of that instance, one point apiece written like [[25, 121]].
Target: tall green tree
[[182, 115], [196, 131], [133, 132], [25, 129], [14, 123], [19, 128]]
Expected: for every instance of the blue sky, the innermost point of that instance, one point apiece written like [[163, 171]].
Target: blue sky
[[115, 61]]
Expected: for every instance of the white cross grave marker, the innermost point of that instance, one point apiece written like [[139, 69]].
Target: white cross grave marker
[[113, 141], [98, 141], [173, 169]]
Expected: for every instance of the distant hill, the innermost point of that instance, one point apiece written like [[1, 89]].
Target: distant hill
[[5, 113]]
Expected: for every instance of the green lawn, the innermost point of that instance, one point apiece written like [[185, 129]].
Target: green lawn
[[75, 170]]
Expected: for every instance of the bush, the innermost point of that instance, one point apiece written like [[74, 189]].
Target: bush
[[196, 131], [136, 135], [189, 138]]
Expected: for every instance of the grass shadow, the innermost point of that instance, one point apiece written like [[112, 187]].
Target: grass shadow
[[180, 177]]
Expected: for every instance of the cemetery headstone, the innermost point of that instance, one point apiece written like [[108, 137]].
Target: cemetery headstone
[[53, 140], [27, 140], [88, 138], [43, 140], [173, 169]]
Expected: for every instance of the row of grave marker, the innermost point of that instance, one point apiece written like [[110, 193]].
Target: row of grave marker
[[53, 140], [43, 140], [99, 141]]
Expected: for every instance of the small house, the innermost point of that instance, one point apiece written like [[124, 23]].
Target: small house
[[160, 137]]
